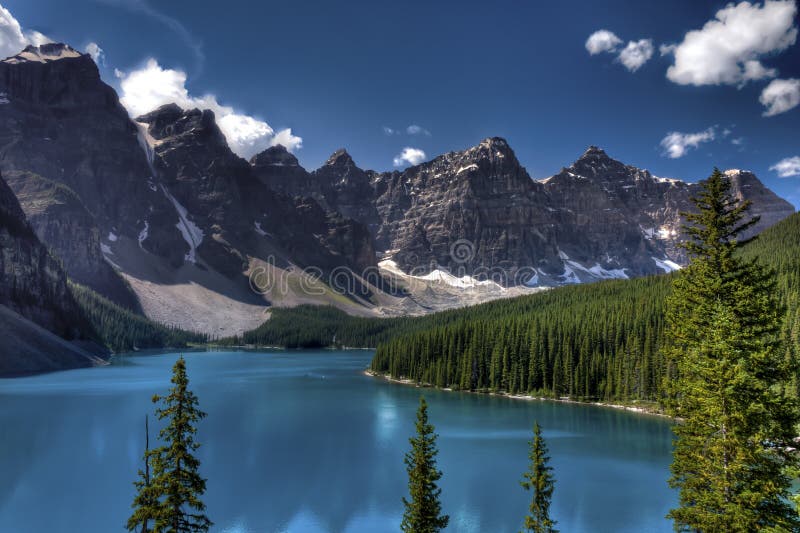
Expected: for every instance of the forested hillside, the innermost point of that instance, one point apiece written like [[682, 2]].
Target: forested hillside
[[595, 341], [122, 330]]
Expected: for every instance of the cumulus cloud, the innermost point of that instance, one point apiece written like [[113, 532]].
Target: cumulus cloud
[[780, 96], [636, 54], [632, 56], [409, 156], [389, 131], [417, 130], [602, 41], [152, 86], [727, 50], [13, 38], [677, 144], [788, 167], [94, 50]]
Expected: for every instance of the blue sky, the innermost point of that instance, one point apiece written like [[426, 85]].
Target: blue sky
[[339, 73]]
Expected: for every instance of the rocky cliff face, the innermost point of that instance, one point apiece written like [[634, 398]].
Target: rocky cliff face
[[477, 212], [33, 291], [227, 207], [338, 186], [471, 211], [74, 158]]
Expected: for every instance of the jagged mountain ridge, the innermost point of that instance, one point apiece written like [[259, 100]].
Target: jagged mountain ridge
[[596, 219]]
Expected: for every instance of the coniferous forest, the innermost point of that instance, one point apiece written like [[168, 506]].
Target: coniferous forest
[[122, 330]]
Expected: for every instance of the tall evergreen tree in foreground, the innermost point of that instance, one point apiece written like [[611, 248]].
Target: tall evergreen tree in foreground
[[423, 512], [170, 495], [540, 480], [728, 380]]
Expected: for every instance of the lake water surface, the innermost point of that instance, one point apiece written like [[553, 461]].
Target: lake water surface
[[304, 442]]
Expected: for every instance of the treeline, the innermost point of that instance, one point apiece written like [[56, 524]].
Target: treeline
[[122, 330], [598, 341]]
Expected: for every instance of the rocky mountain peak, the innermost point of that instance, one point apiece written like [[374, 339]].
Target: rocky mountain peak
[[170, 120], [340, 158], [596, 164], [275, 156], [44, 53]]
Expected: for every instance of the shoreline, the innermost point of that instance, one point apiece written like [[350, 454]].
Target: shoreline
[[524, 397]]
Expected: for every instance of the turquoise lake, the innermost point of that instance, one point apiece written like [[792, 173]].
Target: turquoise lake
[[305, 442]]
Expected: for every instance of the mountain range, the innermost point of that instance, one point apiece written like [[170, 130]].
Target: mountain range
[[157, 214]]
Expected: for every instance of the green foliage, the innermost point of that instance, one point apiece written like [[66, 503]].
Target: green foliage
[[726, 379], [540, 480], [171, 496], [122, 330], [423, 513]]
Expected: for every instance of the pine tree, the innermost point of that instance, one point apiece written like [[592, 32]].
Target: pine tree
[[423, 512], [729, 379], [540, 480], [146, 506], [175, 468]]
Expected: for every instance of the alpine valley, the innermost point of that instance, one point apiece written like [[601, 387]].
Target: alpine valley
[[155, 218]]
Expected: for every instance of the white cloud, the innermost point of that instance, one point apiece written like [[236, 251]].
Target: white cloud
[[417, 130], [727, 50], [389, 131], [677, 144], [780, 96], [410, 156], [12, 37], [788, 167], [666, 49], [636, 54], [737, 141], [602, 41], [94, 50], [152, 86]]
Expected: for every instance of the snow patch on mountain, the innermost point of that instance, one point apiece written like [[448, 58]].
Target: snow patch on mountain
[[666, 265], [147, 143], [144, 233], [191, 233]]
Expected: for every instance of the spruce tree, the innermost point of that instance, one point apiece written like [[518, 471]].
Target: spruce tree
[[728, 379], [423, 512], [175, 468], [146, 505], [540, 480]]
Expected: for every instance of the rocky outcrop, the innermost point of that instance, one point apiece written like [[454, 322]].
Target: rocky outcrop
[[62, 127], [227, 206], [33, 290], [57, 215], [338, 186], [471, 212]]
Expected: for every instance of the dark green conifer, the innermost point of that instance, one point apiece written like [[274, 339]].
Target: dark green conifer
[[175, 483], [729, 377], [539, 479], [423, 513]]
